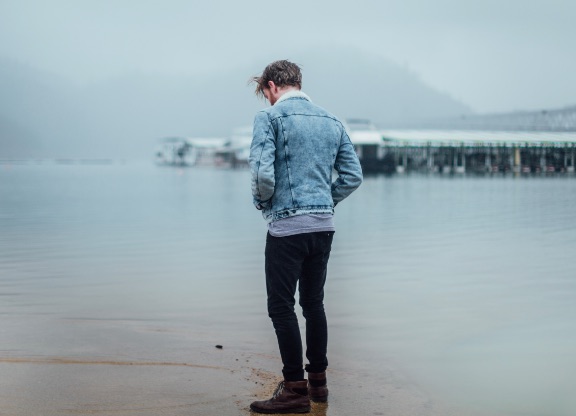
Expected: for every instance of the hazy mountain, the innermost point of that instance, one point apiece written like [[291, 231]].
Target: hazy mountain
[[354, 84], [123, 117], [18, 142], [37, 112]]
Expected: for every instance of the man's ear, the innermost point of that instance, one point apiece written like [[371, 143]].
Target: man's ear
[[272, 86]]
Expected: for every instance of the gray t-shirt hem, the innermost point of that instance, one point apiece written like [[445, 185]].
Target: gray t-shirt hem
[[301, 224]]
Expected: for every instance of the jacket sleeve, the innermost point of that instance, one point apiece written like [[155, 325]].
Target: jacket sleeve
[[348, 168], [261, 160]]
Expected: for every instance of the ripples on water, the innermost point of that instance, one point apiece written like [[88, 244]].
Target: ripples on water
[[468, 284]]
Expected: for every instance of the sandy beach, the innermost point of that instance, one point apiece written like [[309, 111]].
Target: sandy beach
[[70, 386], [212, 381], [55, 364]]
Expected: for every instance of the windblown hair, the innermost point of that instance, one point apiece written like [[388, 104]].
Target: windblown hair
[[282, 73]]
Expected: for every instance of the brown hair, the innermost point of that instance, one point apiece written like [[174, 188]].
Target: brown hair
[[282, 73]]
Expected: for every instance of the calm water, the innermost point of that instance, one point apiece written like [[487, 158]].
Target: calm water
[[468, 285]]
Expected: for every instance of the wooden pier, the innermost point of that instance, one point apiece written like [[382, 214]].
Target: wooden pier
[[529, 142], [458, 152], [459, 158]]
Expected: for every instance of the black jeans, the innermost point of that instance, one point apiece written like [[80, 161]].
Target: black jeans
[[299, 258]]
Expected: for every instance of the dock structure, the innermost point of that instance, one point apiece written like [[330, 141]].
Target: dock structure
[[528, 143], [474, 152], [523, 143]]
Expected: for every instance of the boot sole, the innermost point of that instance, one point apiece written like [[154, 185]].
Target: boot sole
[[322, 399], [281, 411]]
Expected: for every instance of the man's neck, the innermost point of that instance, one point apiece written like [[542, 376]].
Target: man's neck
[[276, 93]]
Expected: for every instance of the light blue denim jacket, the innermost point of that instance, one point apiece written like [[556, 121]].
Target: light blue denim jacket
[[295, 147]]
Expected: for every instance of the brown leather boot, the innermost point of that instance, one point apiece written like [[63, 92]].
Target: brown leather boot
[[317, 389], [289, 397]]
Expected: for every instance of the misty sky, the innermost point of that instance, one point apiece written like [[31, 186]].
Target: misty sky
[[491, 55]]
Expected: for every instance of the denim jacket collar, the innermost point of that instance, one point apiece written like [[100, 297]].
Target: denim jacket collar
[[293, 94]]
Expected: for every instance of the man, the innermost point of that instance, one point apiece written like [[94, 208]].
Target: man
[[295, 148]]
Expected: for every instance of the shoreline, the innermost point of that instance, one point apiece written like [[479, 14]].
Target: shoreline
[[57, 385]]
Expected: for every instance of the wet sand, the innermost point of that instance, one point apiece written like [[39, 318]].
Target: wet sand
[[225, 385], [53, 365]]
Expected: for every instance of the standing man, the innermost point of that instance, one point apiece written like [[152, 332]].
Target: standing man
[[296, 145]]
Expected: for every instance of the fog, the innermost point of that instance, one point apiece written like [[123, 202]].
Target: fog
[[110, 78]]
